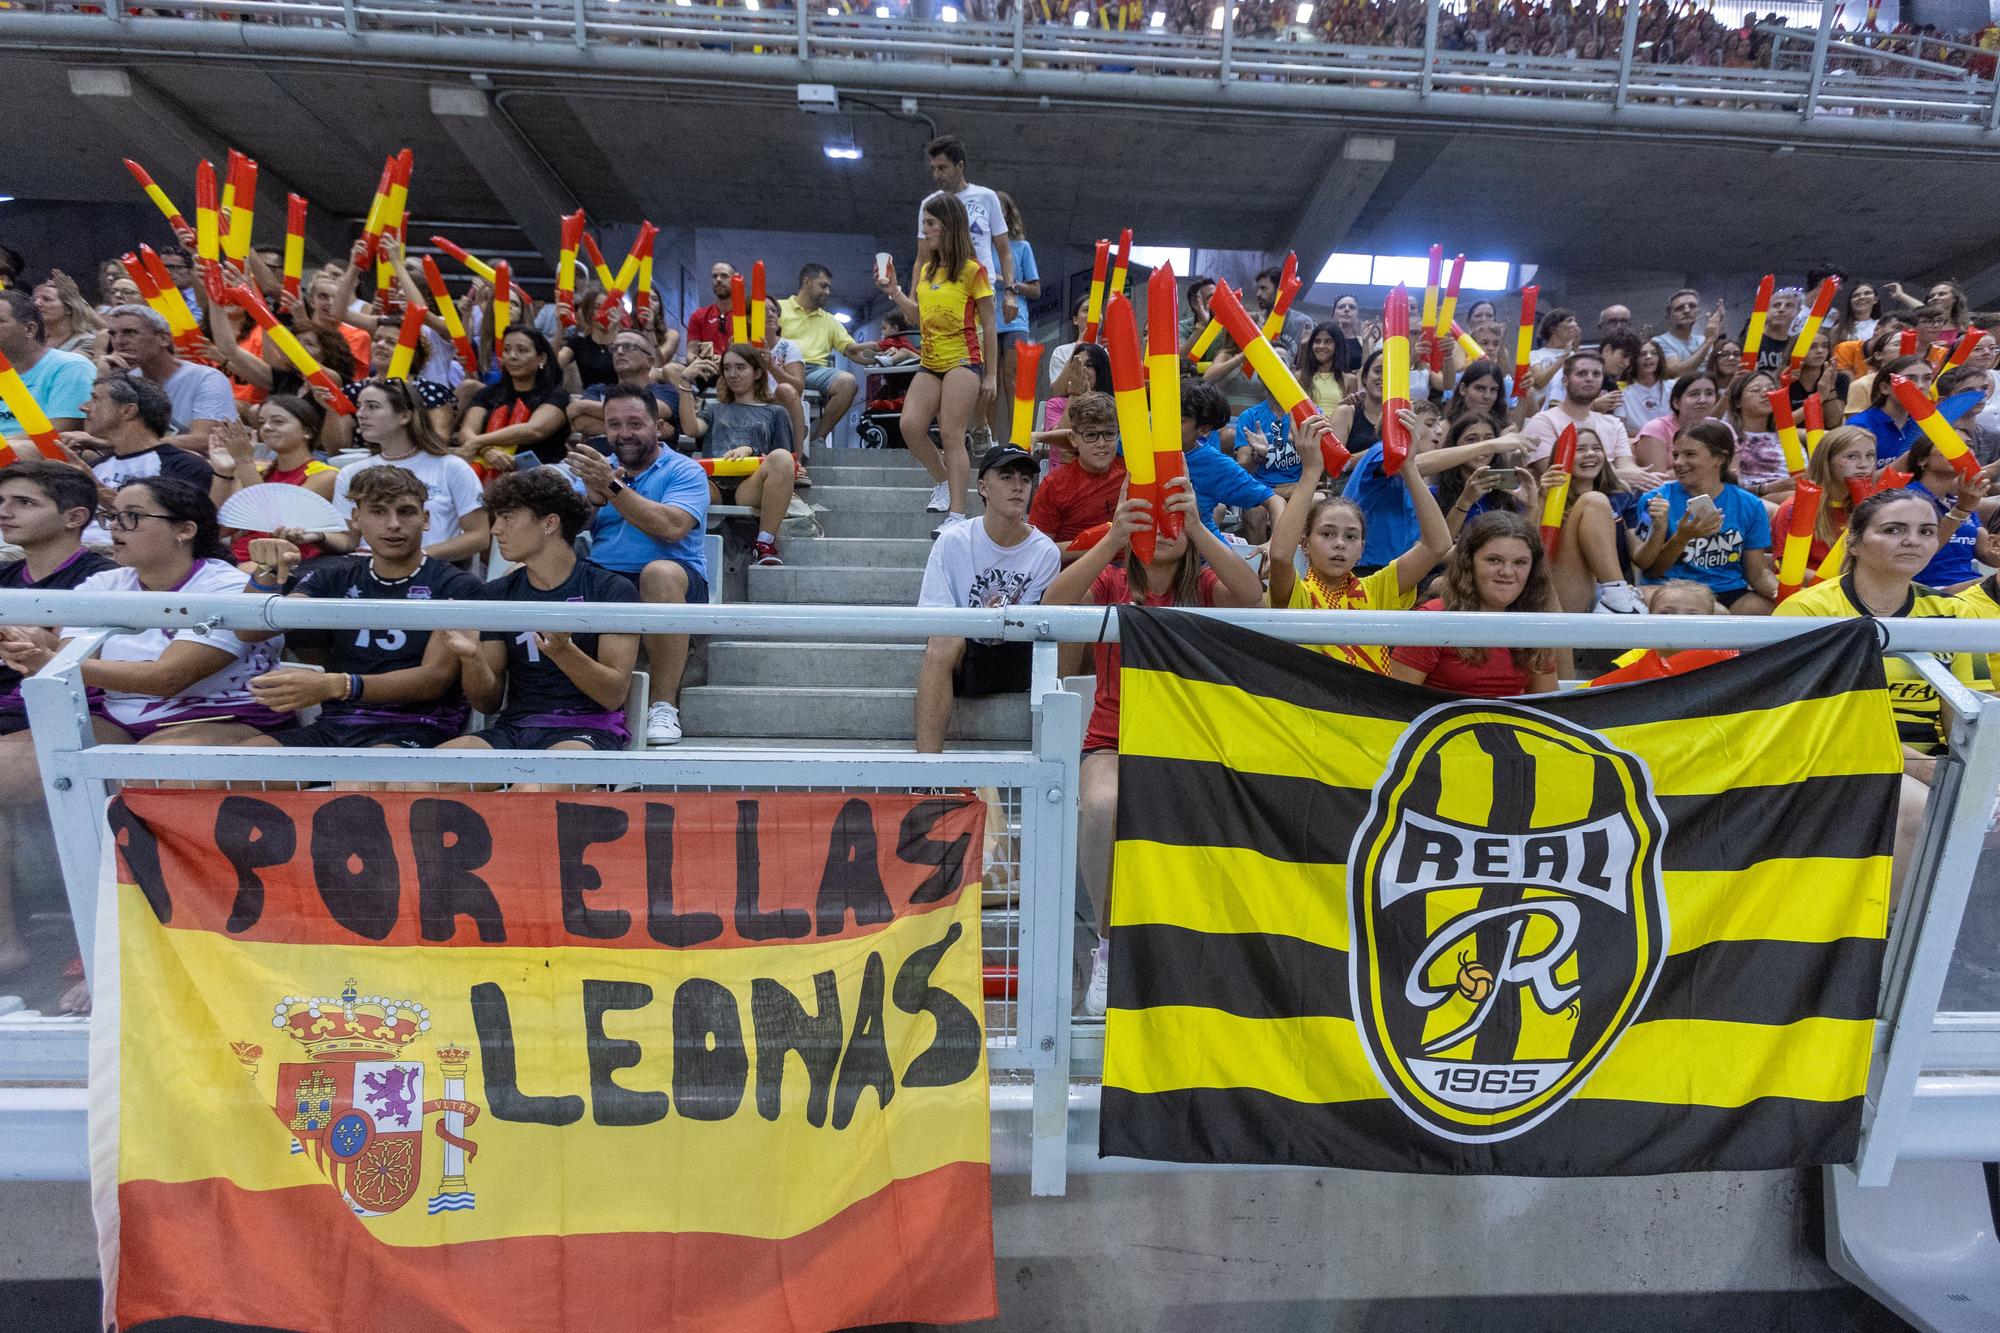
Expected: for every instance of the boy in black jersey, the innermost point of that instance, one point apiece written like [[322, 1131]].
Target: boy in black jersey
[[560, 691], [44, 508], [386, 689]]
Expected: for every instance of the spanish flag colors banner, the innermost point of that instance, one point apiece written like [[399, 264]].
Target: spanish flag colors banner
[[400, 1060], [1358, 923]]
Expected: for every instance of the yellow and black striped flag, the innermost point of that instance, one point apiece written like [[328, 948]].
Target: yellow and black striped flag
[[1359, 923]]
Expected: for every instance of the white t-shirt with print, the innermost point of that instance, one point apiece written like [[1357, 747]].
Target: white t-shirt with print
[[968, 568], [982, 212]]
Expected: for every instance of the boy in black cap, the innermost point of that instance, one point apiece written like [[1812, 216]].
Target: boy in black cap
[[997, 560]]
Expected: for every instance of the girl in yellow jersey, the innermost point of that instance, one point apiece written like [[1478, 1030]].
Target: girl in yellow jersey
[[1890, 537], [1334, 530], [958, 374]]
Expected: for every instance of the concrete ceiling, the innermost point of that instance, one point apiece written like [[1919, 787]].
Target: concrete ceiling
[[1585, 207]]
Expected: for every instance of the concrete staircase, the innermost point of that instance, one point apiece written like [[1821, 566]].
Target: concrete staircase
[[877, 537]]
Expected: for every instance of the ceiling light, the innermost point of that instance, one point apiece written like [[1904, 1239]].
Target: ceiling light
[[833, 11], [843, 317], [1304, 13], [842, 152], [1082, 19], [1159, 19], [751, 5], [949, 14], [881, 11], [1215, 20]]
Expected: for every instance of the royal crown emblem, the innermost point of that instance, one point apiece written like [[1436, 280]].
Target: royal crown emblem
[[357, 1105]]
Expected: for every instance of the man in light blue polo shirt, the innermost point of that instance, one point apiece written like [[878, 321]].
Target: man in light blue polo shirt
[[59, 381], [652, 512]]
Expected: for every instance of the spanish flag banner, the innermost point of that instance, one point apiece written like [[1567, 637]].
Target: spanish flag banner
[[405, 1060], [1358, 923]]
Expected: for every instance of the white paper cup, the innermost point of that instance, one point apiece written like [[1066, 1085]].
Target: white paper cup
[[883, 260]]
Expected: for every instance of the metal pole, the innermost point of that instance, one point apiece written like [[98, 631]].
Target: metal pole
[[1430, 48], [1047, 920], [1826, 9], [1925, 929], [1628, 47], [805, 44], [581, 41], [59, 722], [1020, 31], [1993, 107], [347, 16], [1228, 38]]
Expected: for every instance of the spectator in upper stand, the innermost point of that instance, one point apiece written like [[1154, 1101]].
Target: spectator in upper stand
[[957, 374], [586, 349], [1775, 353], [44, 508], [1682, 346], [380, 689], [546, 689], [1083, 493], [744, 422], [1264, 450], [181, 269], [996, 560], [1323, 366], [1217, 478], [1559, 333], [1583, 380], [198, 397], [805, 319], [121, 438], [1885, 418], [1298, 325], [708, 327], [985, 220], [523, 415], [632, 358], [59, 381], [1613, 321], [68, 322], [651, 516], [1200, 290], [1026, 286]]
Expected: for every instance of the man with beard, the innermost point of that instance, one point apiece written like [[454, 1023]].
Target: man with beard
[[652, 511]]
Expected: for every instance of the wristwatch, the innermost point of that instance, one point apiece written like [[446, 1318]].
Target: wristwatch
[[616, 486]]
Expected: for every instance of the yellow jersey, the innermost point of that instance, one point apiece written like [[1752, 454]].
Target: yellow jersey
[[1379, 591], [1914, 701], [948, 314]]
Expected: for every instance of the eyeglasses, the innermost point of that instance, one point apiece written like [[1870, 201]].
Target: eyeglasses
[[127, 520], [1098, 436]]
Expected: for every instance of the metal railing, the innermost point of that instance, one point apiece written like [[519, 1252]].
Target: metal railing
[[1901, 86], [1933, 1090]]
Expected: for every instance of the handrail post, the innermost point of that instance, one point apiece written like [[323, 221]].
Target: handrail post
[[59, 725], [805, 39], [1020, 31], [347, 17], [1430, 48], [1993, 106], [1228, 39], [1047, 901], [1826, 8], [1628, 48], [581, 40]]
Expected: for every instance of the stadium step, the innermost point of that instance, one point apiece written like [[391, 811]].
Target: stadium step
[[855, 474], [871, 499], [796, 585], [908, 523], [840, 459], [841, 713], [853, 665], [858, 553]]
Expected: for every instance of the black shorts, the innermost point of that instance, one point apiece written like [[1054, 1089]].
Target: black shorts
[[1732, 597], [697, 592], [505, 736], [13, 722], [993, 668], [340, 733]]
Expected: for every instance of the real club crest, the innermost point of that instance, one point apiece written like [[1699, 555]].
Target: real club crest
[[357, 1104], [1509, 918]]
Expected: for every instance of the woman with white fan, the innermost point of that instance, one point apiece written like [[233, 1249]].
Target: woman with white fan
[[394, 424], [286, 427]]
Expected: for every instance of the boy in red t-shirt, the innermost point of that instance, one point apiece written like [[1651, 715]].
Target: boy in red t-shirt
[[1083, 494]]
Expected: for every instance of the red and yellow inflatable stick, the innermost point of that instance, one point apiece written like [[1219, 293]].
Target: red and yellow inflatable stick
[[1650, 664], [1206, 339], [156, 286], [1395, 379], [605, 277], [1815, 423], [35, 423], [294, 351], [1563, 463], [642, 297], [1278, 377], [759, 312], [572, 238], [1445, 321], [1787, 428], [739, 314], [1163, 387], [182, 232], [1471, 350], [1753, 339], [503, 303], [241, 208], [1822, 302], [1088, 538], [1093, 311], [471, 261], [434, 279], [1281, 305], [407, 337], [1935, 428], [730, 467], [1962, 349], [1123, 260], [1524, 342], [1433, 276], [1798, 538], [207, 224], [295, 243], [1027, 364], [1135, 431]]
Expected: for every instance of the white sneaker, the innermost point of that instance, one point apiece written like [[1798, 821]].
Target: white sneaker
[[950, 521], [1097, 995], [940, 499], [1621, 598], [663, 724]]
